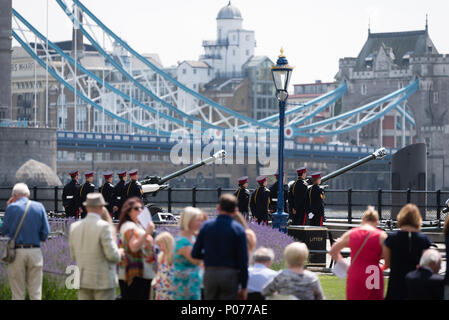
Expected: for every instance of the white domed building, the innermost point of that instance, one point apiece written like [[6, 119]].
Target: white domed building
[[234, 45], [223, 58]]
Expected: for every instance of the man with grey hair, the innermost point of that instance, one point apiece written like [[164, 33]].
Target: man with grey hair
[[25, 272], [425, 283], [260, 273]]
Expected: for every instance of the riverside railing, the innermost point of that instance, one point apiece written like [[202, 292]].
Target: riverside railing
[[346, 205]]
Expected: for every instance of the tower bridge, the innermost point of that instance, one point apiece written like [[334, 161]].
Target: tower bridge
[[106, 98]]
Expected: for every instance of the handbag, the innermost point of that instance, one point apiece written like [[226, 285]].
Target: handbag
[[341, 267], [8, 246]]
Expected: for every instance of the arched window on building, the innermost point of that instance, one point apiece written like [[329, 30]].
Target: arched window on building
[[436, 97], [364, 89]]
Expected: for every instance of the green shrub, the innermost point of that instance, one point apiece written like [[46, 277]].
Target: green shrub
[[52, 289]]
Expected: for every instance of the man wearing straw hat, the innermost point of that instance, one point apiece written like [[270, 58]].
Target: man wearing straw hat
[[93, 247]]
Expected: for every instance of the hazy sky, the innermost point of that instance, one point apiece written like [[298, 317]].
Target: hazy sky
[[314, 33]]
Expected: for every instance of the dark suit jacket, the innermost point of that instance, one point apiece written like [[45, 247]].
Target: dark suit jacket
[[422, 284], [243, 196], [316, 200], [260, 202]]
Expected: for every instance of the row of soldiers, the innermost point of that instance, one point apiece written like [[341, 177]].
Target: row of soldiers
[[74, 193], [304, 203]]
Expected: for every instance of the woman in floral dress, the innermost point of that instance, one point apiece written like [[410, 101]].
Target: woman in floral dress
[[186, 281]]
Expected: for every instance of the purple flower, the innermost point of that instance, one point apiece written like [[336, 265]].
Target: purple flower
[[55, 250], [272, 238]]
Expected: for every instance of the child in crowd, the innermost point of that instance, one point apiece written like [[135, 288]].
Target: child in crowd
[[162, 282]]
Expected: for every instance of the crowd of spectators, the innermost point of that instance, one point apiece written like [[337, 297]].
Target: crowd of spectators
[[218, 258]]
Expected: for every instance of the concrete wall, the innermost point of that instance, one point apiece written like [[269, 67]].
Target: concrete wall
[[5, 59], [18, 145]]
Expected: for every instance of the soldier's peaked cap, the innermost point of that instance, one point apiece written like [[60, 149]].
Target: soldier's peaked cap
[[133, 172], [316, 175], [301, 170], [73, 173], [261, 179], [243, 180], [122, 173], [108, 175], [89, 174]]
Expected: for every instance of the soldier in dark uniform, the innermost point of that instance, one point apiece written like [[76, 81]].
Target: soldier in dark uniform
[[133, 188], [119, 193], [260, 201], [243, 195], [107, 190], [299, 198], [86, 188], [316, 194], [70, 195], [274, 195]]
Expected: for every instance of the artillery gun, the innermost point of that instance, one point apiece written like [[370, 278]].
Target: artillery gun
[[446, 208], [378, 154], [152, 185]]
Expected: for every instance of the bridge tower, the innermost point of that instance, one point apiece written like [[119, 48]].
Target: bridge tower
[[5, 59]]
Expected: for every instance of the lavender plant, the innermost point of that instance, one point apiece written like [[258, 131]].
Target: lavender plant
[[272, 238]]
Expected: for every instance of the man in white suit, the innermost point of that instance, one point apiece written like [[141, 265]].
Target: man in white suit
[[94, 248]]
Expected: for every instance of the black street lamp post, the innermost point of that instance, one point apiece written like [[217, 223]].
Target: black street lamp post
[[281, 77]]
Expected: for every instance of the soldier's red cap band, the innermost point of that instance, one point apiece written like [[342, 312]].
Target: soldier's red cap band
[[122, 173], [316, 175], [73, 173], [243, 180], [261, 179]]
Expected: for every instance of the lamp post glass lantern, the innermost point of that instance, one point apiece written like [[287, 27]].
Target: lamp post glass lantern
[[281, 72], [281, 76]]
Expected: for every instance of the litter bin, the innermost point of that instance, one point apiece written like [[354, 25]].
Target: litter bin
[[315, 238]]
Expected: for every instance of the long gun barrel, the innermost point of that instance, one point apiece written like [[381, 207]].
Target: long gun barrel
[[219, 155], [378, 154], [155, 184]]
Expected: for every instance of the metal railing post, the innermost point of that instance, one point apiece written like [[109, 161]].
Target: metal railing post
[[56, 199], [169, 190], [35, 193], [219, 191], [194, 197], [350, 205], [439, 207], [379, 203], [409, 195]]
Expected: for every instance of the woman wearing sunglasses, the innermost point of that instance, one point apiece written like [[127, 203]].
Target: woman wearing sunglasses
[[136, 270]]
